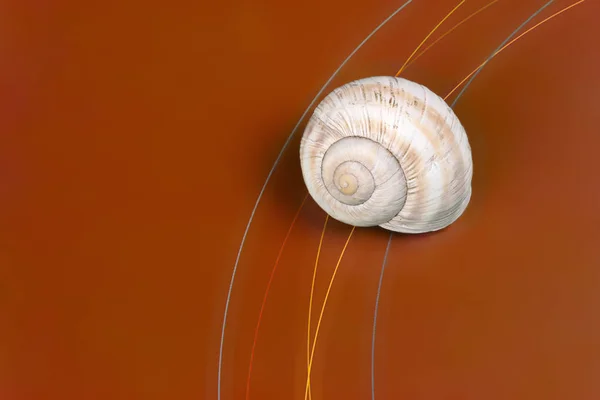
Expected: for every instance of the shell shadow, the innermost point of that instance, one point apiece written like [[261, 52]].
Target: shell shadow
[[286, 182]]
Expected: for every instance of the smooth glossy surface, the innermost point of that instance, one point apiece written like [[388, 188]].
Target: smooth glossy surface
[[135, 137]]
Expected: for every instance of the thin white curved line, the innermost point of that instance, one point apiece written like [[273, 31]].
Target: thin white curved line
[[390, 239], [499, 47], [285, 145]]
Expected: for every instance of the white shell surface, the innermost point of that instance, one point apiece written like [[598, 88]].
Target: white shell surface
[[387, 151]]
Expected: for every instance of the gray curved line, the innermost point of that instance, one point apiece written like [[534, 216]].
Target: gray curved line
[[285, 145], [387, 249], [389, 241], [499, 47]]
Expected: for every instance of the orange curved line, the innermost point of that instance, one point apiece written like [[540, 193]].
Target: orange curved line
[[430, 33], [449, 31], [312, 291], [262, 307], [312, 353], [511, 42]]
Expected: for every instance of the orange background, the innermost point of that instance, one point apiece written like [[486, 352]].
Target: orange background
[[135, 137]]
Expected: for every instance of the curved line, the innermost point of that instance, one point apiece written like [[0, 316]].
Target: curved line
[[449, 31], [312, 291], [264, 302], [285, 145], [499, 47], [312, 352], [387, 249], [511, 42], [310, 357], [314, 275], [430, 33]]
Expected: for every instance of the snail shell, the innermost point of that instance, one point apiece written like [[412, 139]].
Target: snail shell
[[388, 152]]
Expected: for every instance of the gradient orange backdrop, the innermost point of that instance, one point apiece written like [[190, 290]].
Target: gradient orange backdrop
[[134, 140]]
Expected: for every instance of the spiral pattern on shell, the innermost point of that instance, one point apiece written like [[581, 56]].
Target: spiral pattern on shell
[[389, 152]]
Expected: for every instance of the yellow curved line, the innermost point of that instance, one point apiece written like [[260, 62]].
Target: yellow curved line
[[312, 291], [312, 353], [430, 33], [509, 43], [449, 31]]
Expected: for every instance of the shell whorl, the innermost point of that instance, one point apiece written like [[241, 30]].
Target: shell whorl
[[389, 152]]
